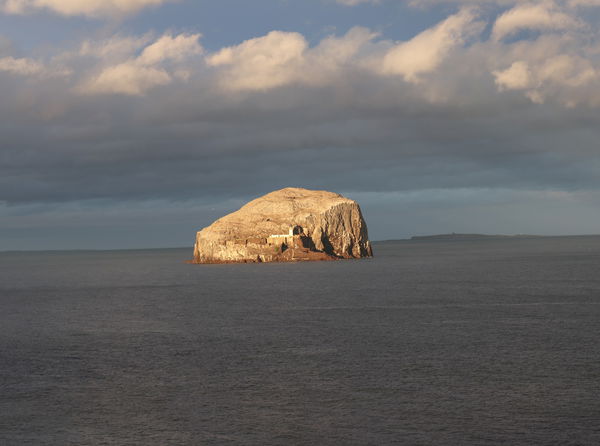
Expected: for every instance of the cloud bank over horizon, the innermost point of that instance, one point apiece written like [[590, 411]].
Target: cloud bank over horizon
[[494, 100]]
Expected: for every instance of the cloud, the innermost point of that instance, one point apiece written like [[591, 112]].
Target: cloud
[[22, 66], [516, 77], [355, 2], [567, 4], [114, 48], [545, 66], [533, 16], [583, 3], [28, 67], [425, 52], [261, 63], [134, 76], [127, 78], [505, 3], [335, 56], [283, 58], [167, 47], [89, 8], [558, 68]]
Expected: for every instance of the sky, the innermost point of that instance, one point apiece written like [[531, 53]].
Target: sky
[[135, 123]]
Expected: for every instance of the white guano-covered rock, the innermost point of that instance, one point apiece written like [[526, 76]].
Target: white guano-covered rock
[[291, 224]]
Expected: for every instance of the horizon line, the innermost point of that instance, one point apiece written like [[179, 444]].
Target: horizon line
[[411, 238]]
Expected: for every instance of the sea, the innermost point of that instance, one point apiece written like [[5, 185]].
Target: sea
[[431, 342]]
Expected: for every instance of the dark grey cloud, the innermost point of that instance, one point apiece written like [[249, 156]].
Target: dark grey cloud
[[154, 149]]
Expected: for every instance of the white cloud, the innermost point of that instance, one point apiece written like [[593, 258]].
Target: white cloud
[[27, 67], [282, 58], [567, 70], [583, 3], [505, 3], [335, 55], [116, 48], [128, 79], [537, 16], [516, 77], [550, 68], [445, 60], [261, 63], [355, 2], [425, 52], [136, 75], [171, 48], [23, 66], [89, 8], [428, 3]]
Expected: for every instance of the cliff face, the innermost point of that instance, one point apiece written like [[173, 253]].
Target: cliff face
[[291, 224]]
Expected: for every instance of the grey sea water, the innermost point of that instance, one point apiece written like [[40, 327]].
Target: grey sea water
[[483, 342]]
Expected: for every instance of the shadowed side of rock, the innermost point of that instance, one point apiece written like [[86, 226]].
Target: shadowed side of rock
[[288, 225]]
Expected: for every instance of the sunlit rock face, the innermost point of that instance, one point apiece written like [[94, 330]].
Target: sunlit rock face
[[287, 225]]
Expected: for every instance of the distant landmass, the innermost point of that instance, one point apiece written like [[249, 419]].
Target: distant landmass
[[455, 236]]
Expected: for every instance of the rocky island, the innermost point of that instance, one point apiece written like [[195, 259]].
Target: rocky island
[[287, 225]]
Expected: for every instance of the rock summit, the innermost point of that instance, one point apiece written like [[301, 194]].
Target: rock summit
[[287, 225]]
